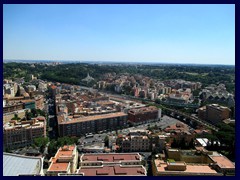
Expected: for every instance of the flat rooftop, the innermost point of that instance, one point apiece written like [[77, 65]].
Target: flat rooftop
[[19, 125], [143, 110], [190, 168], [66, 153], [14, 165], [58, 167], [113, 171], [223, 162], [105, 103], [114, 157], [93, 118]]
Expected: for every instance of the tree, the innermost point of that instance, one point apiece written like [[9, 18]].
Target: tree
[[66, 141], [34, 112], [174, 143], [191, 144], [29, 115], [194, 124], [183, 143], [41, 142], [106, 140], [196, 92], [158, 101], [52, 148], [16, 117]]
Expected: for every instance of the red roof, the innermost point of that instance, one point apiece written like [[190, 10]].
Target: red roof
[[114, 157], [64, 154], [116, 170], [53, 87]]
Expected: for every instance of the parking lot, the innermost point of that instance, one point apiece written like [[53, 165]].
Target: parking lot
[[163, 123], [92, 139]]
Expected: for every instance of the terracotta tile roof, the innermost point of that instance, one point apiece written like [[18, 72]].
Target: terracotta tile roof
[[64, 153], [116, 170], [58, 167], [111, 157]]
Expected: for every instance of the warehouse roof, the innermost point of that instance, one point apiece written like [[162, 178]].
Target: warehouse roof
[[14, 165]]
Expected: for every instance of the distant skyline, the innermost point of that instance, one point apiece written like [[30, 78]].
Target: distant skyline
[[194, 34]]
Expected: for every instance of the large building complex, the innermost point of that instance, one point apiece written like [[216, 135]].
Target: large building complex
[[69, 126], [113, 164], [18, 165]]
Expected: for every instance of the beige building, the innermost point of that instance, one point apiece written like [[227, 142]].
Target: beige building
[[180, 168], [39, 101], [136, 140], [216, 114], [135, 143], [10, 107], [19, 134], [8, 116], [199, 162], [65, 161]]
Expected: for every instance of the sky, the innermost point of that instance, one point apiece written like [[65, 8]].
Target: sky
[[199, 34]]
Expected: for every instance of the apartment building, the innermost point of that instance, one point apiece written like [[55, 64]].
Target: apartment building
[[10, 107], [135, 143], [144, 115], [216, 113], [202, 113], [69, 126], [19, 134]]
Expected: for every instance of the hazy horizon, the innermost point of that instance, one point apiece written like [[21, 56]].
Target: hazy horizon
[[109, 61], [182, 34]]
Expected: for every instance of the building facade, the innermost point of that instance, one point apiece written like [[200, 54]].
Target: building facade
[[90, 124], [144, 115], [135, 143], [19, 134], [216, 114]]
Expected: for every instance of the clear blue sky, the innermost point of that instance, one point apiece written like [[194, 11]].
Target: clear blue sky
[[202, 34]]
